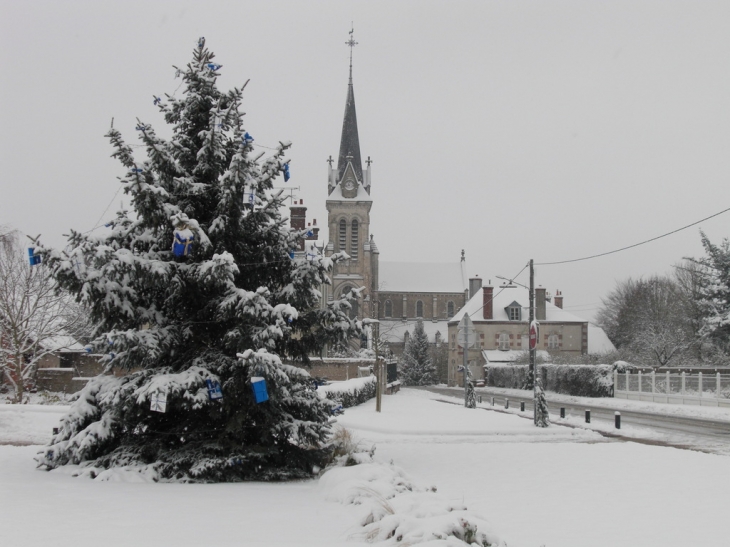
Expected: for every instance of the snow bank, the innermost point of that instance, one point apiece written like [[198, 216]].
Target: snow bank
[[396, 512]]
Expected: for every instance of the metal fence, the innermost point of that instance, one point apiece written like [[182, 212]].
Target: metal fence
[[705, 389]]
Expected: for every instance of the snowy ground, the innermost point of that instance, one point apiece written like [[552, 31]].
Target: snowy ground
[[559, 487]]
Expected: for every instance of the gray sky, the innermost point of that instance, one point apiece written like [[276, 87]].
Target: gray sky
[[513, 130]]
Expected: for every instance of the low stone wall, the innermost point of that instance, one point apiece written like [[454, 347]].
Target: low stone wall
[[338, 369], [60, 379]]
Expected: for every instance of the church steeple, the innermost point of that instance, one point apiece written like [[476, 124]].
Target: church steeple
[[350, 141]]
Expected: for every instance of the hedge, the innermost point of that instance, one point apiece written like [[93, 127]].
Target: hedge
[[350, 392], [579, 380]]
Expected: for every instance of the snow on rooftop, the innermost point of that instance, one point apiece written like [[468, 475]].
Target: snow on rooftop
[[62, 342], [362, 195], [494, 356], [438, 277], [503, 297], [598, 341]]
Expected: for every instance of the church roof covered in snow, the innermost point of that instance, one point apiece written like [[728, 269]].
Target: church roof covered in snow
[[434, 277], [502, 299], [394, 331]]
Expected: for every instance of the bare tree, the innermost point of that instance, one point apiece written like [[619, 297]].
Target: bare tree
[[31, 314]]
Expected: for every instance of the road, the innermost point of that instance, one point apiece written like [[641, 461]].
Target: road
[[691, 431]]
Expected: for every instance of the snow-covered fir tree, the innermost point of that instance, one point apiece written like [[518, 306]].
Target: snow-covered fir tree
[[471, 398], [220, 307], [417, 368], [714, 284]]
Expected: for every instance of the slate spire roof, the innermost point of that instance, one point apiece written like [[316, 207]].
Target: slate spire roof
[[350, 142]]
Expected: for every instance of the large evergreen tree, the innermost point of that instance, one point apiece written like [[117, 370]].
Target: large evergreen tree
[[417, 368], [226, 311], [715, 293]]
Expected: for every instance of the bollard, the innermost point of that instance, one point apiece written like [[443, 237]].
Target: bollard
[[562, 412], [492, 401], [480, 398], [617, 420], [588, 416], [522, 406], [506, 403]]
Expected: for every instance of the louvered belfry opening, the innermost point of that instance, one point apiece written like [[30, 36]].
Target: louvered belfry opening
[[354, 240]]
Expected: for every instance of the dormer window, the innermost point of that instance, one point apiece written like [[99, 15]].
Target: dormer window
[[514, 312]]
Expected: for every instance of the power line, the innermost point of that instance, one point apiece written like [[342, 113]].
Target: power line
[[631, 246]]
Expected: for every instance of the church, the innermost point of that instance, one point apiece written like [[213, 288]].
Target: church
[[396, 293]]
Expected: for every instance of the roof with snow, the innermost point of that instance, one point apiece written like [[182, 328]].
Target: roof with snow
[[503, 298], [394, 331], [62, 342], [362, 194], [437, 277], [598, 341]]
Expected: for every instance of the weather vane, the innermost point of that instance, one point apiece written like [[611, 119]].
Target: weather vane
[[352, 43]]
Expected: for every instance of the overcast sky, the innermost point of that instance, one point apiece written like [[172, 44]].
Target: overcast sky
[[513, 130]]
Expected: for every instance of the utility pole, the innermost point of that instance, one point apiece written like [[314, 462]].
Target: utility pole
[[533, 342]]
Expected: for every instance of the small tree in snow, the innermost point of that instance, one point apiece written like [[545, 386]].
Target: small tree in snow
[[32, 314], [198, 322], [417, 368], [471, 399], [542, 417]]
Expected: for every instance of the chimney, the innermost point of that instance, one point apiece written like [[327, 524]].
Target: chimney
[[558, 299], [488, 307], [298, 218], [315, 229], [540, 303], [475, 283]]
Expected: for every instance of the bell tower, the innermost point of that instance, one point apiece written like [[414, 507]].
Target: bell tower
[[348, 208]]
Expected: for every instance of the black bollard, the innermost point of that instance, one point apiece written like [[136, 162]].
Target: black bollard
[[522, 406], [588, 416], [562, 412], [480, 398], [506, 403], [617, 420], [492, 401]]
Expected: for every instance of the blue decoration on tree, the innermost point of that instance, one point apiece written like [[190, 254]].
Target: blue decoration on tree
[[140, 127], [286, 172], [214, 389], [214, 66], [201, 42], [33, 258], [337, 410], [258, 384], [157, 100], [137, 170], [182, 244], [291, 254], [310, 233], [247, 138]]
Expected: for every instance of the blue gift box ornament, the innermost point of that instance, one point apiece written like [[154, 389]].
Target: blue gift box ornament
[[247, 139], [214, 67], [33, 258], [182, 245], [214, 389], [258, 384], [287, 176]]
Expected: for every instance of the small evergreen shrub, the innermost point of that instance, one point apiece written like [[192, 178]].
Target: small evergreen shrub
[[350, 392]]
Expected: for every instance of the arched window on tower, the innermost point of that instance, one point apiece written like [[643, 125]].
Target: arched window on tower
[[354, 240], [450, 309], [419, 309], [388, 308], [342, 236], [406, 337]]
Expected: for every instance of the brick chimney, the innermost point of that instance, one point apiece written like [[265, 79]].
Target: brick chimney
[[298, 218], [540, 301], [488, 295], [558, 300]]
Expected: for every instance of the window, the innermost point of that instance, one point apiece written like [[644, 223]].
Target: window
[[450, 309], [406, 337], [514, 313], [453, 341], [388, 308], [66, 360], [553, 341], [419, 309], [504, 341], [525, 342], [354, 240], [438, 339], [342, 241]]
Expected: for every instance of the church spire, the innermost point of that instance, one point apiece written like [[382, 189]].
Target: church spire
[[350, 142]]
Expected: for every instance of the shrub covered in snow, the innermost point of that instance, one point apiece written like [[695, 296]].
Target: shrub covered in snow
[[579, 380], [350, 392], [194, 295]]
